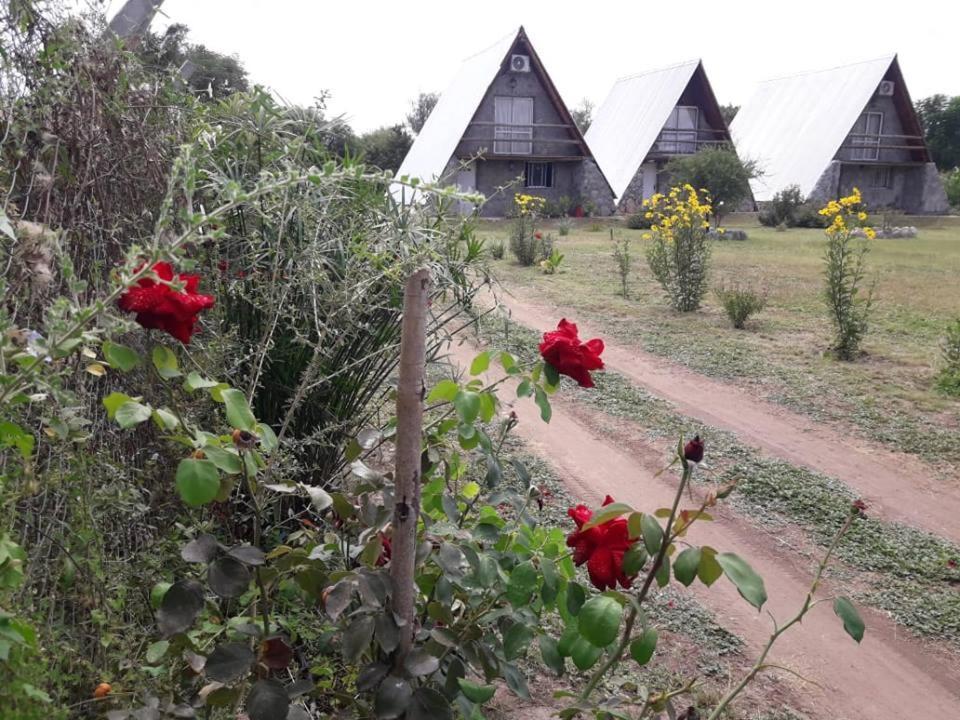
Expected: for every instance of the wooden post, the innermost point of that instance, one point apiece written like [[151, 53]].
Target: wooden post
[[410, 394]]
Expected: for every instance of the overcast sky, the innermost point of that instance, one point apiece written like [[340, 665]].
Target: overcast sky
[[374, 57]]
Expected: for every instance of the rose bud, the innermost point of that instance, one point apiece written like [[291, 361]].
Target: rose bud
[[244, 439], [693, 450], [858, 507]]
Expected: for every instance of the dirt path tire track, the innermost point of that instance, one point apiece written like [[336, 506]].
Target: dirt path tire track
[[897, 486], [881, 679]]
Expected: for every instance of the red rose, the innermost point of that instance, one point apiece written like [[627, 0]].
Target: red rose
[[601, 547], [568, 356], [158, 306], [386, 550], [693, 450], [538, 235]]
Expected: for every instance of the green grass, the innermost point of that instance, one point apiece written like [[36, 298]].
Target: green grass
[[771, 492], [889, 394]]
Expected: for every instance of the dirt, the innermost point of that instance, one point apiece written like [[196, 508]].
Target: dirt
[[896, 486], [885, 676]]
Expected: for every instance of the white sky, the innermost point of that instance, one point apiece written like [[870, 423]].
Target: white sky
[[374, 57]]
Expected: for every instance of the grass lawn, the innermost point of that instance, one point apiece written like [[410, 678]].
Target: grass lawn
[[888, 393]]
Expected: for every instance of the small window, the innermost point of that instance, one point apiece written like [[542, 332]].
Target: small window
[[538, 175], [881, 177], [679, 135], [866, 136]]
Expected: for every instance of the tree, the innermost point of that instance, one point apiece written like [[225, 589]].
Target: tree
[[583, 115], [385, 147], [940, 117], [420, 110], [729, 112], [208, 73], [720, 172]]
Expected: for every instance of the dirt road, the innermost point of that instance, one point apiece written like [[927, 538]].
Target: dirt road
[[882, 679], [897, 486]]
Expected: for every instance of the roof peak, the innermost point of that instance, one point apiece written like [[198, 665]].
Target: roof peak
[[513, 35], [890, 57], [664, 68]]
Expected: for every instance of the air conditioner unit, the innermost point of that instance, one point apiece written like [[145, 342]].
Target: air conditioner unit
[[520, 63], [885, 88]]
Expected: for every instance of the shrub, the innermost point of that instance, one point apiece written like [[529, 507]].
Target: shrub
[[844, 260], [563, 227], [719, 172], [740, 302], [808, 216], [497, 250], [525, 239], [638, 221], [621, 255], [680, 251], [948, 381], [551, 265], [951, 184], [736, 235], [782, 209]]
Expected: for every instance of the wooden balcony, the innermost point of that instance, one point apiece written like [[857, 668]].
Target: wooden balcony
[[686, 142], [547, 141]]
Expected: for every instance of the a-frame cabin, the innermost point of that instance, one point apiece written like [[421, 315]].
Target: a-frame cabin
[[502, 119], [649, 118], [832, 130]]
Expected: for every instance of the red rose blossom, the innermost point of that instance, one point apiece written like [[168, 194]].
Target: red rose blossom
[[601, 547], [562, 349], [160, 307], [693, 450], [386, 550], [538, 235]]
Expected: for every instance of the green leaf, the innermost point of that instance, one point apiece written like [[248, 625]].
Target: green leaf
[[132, 413], [197, 481], [522, 584], [181, 604], [225, 460], [428, 704], [524, 389], [480, 363], [550, 653], [599, 620], [543, 402], [165, 419], [633, 560], [228, 577], [635, 525], [488, 407], [607, 512], [12, 435], [445, 390], [516, 640], [268, 438], [156, 651], [709, 570], [467, 404], [584, 654], [643, 647], [576, 596], [686, 565], [663, 572], [748, 583], [553, 376], [475, 693], [357, 637], [268, 700], [120, 356], [239, 415], [419, 663], [652, 533], [228, 662], [194, 381], [570, 635], [165, 361], [852, 622], [508, 361]]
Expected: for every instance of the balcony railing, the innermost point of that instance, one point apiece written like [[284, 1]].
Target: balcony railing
[[686, 142], [537, 139]]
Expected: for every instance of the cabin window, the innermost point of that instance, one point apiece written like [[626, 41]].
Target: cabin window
[[865, 138], [513, 132], [679, 135], [881, 177], [538, 175]]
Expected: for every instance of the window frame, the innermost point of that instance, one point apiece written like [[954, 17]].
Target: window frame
[[546, 169], [866, 145], [674, 140], [509, 137]]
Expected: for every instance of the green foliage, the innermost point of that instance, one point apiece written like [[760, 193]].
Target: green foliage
[[563, 227], [940, 117], [720, 172], [551, 264], [788, 209], [384, 148], [583, 115], [740, 302], [951, 185], [527, 244], [497, 249], [420, 109], [844, 259], [639, 221], [948, 380]]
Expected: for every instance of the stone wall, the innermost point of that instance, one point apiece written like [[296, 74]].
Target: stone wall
[[828, 186], [914, 189], [593, 187]]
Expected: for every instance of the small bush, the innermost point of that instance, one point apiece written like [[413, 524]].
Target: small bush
[[740, 302], [497, 250], [638, 221], [808, 216], [551, 265], [788, 209], [595, 227], [621, 255], [948, 381], [727, 234], [563, 227], [782, 227], [951, 184], [544, 247]]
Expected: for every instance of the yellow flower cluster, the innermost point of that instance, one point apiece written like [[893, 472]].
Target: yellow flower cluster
[[847, 214], [528, 204], [683, 208]]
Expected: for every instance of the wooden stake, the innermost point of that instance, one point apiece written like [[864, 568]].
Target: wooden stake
[[410, 395]]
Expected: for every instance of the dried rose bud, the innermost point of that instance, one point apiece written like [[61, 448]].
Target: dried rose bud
[[858, 507], [198, 454], [693, 450], [244, 439]]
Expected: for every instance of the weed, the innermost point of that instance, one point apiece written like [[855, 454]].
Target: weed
[[740, 302]]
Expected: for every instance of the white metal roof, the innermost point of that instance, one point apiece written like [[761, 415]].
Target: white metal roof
[[628, 122], [440, 135], [793, 126]]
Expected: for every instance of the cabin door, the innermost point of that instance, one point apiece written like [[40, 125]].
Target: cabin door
[[466, 182]]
